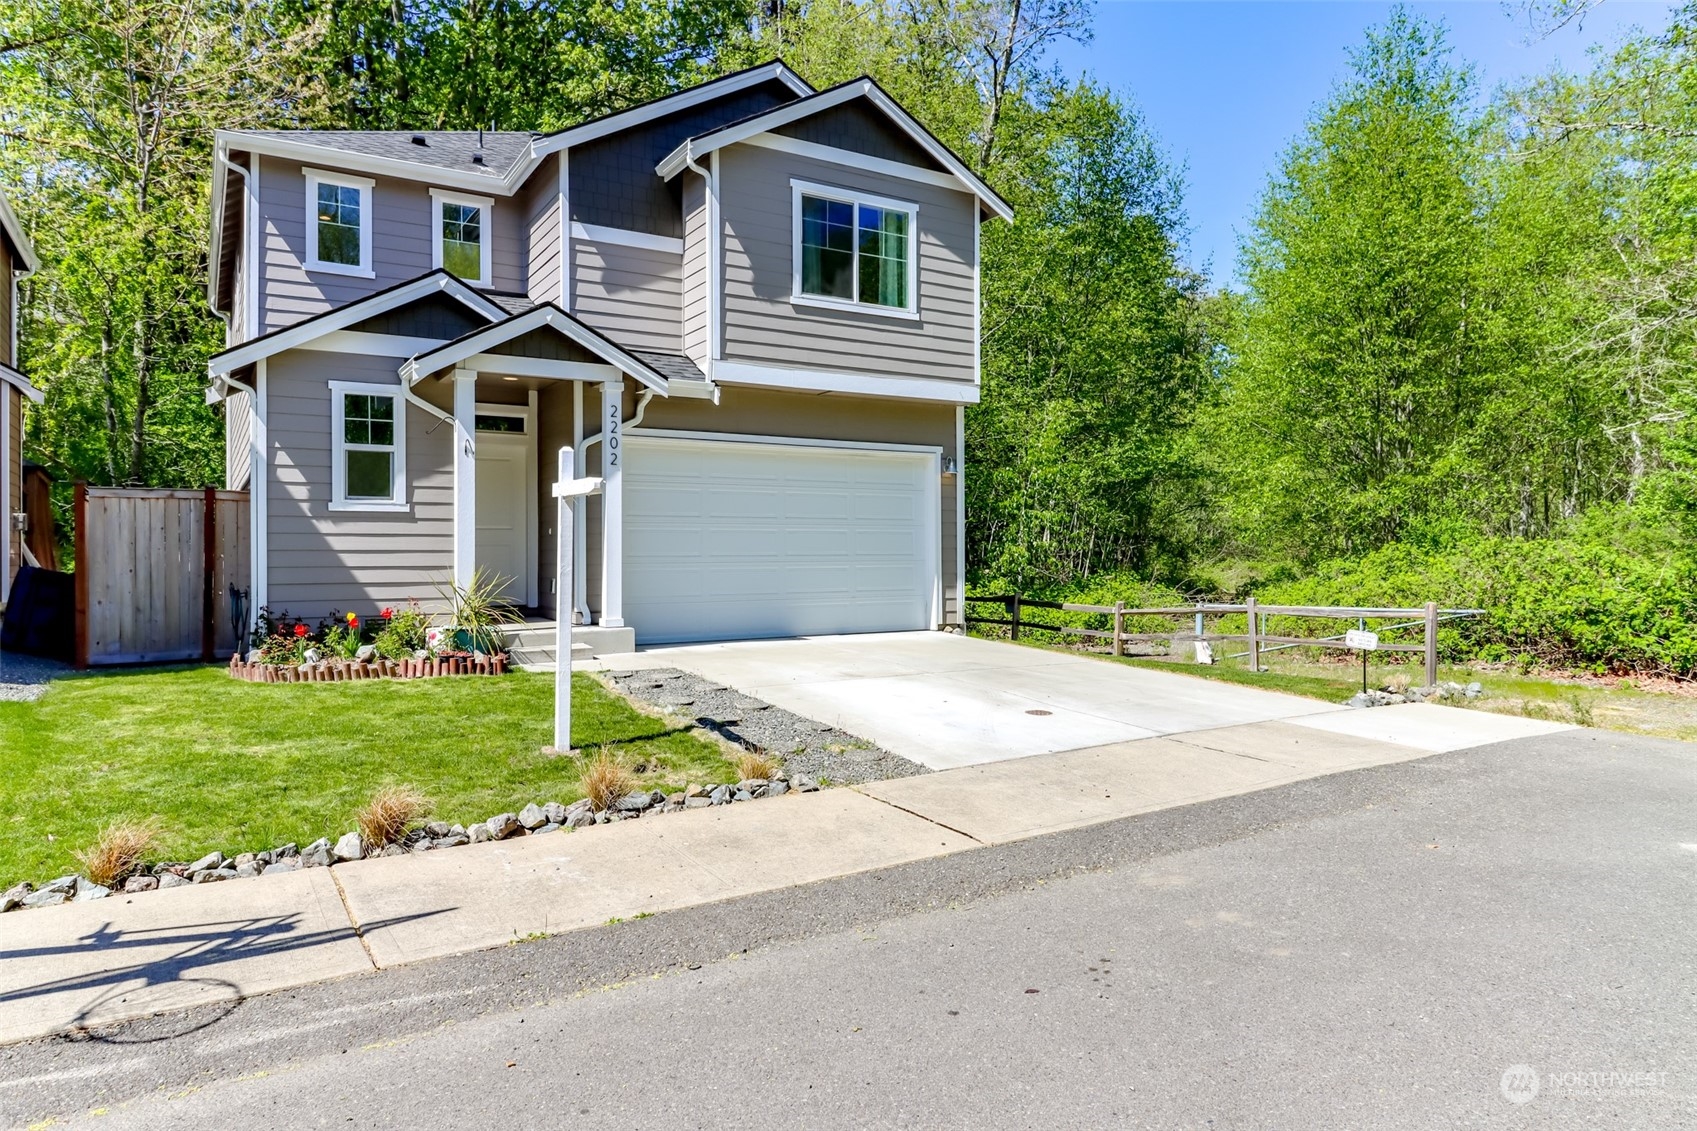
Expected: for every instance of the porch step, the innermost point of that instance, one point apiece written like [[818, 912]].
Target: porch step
[[542, 636], [544, 659]]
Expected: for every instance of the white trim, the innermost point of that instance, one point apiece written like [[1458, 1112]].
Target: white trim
[[960, 515], [932, 488], [321, 325], [367, 345], [863, 161], [612, 505], [367, 192], [671, 104], [691, 148], [528, 413], [12, 377], [566, 232], [781, 441], [515, 365], [9, 222], [465, 477], [339, 501], [854, 199], [259, 495], [485, 231], [598, 233], [977, 305], [715, 268], [864, 384], [416, 368], [253, 321]]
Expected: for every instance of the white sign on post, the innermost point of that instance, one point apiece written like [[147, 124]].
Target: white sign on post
[[1361, 640], [565, 489]]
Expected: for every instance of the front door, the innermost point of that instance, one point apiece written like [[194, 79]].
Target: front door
[[503, 517]]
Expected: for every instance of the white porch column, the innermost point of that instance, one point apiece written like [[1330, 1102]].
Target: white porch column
[[465, 476], [612, 504]]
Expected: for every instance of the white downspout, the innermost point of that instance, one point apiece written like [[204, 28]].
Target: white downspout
[[580, 583]]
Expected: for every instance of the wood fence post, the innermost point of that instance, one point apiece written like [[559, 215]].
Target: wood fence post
[[79, 581], [209, 569], [1119, 627], [1431, 644], [1254, 636], [1014, 603]]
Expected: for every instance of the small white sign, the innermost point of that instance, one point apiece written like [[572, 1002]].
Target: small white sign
[[1204, 652], [1361, 639]]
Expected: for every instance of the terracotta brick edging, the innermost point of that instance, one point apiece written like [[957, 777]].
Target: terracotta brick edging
[[339, 671]]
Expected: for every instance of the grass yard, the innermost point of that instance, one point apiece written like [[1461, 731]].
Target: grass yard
[[247, 766]]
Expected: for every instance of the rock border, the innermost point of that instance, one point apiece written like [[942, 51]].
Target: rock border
[[1447, 691], [533, 820]]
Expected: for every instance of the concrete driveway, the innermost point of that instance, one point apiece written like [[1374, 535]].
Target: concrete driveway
[[944, 700]]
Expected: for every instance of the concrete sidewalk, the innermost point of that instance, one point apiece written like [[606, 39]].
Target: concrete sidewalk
[[90, 964]]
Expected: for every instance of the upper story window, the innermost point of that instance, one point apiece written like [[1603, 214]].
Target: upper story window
[[368, 442], [462, 234], [338, 223], [854, 251]]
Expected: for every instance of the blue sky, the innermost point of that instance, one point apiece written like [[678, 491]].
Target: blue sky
[[1226, 84]]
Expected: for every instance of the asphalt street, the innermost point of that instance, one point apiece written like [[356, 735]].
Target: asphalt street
[[1501, 937]]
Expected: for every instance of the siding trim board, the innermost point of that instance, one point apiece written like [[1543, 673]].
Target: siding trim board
[[852, 159], [598, 233], [860, 384]]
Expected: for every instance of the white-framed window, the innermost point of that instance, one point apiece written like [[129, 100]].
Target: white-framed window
[[463, 230], [338, 223], [368, 446], [854, 251]]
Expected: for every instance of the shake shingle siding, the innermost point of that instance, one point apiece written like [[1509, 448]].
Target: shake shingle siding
[[632, 294], [763, 326], [613, 181], [401, 245], [323, 560]]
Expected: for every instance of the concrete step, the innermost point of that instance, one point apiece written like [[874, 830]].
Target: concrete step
[[532, 636]]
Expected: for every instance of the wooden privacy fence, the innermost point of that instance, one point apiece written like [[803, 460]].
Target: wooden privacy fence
[[1258, 639], [153, 572]]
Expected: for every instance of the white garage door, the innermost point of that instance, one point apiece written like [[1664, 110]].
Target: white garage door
[[734, 540]]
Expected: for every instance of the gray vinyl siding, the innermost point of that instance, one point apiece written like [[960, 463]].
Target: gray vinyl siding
[[761, 325], [541, 200], [14, 502], [401, 245], [612, 178], [695, 341], [632, 294], [7, 314], [238, 450], [322, 560]]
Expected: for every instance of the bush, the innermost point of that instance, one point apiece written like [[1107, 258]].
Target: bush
[[754, 764], [117, 851], [404, 632], [391, 811], [604, 780]]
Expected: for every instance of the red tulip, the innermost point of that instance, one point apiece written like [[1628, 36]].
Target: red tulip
[[300, 630], [353, 621], [388, 614]]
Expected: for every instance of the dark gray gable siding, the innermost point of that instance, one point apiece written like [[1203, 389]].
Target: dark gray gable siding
[[861, 127], [434, 316], [613, 182], [547, 343]]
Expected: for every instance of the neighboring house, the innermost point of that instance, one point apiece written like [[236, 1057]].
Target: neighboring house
[[17, 259], [751, 307]]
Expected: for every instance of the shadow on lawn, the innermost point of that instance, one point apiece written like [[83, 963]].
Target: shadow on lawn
[[205, 945]]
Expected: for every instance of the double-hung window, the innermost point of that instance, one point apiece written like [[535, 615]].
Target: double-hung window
[[462, 234], [368, 442], [338, 223], [854, 251]]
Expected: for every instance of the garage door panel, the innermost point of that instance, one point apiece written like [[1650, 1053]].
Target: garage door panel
[[727, 539]]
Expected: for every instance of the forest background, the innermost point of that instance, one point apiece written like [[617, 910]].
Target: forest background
[[1459, 366]]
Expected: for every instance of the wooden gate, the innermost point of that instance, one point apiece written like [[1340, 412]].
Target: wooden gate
[[153, 573]]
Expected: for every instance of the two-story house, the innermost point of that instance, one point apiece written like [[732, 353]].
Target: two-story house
[[17, 259], [750, 307]]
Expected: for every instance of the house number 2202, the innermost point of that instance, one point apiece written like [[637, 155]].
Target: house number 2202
[[613, 434]]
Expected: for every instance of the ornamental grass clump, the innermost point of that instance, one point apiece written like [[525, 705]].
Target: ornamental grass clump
[[755, 764], [118, 851], [604, 780], [390, 813]]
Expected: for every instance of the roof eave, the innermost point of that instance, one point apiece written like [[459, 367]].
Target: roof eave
[[420, 366], [15, 231]]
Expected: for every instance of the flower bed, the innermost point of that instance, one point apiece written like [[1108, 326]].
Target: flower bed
[[393, 645]]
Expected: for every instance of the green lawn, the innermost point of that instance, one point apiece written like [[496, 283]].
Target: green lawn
[[246, 766]]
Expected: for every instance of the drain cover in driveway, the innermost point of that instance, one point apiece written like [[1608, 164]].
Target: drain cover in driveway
[[1038, 711]]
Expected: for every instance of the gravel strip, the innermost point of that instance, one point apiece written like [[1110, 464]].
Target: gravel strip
[[23, 678], [806, 745]]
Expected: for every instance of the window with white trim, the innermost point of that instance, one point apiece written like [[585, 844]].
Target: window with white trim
[[338, 223], [854, 250], [462, 234], [368, 447]]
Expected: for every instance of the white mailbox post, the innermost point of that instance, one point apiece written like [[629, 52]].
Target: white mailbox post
[[566, 489]]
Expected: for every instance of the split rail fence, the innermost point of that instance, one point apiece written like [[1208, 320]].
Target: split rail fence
[[1191, 623], [153, 570]]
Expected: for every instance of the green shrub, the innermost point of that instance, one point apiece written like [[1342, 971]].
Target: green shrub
[[404, 633]]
